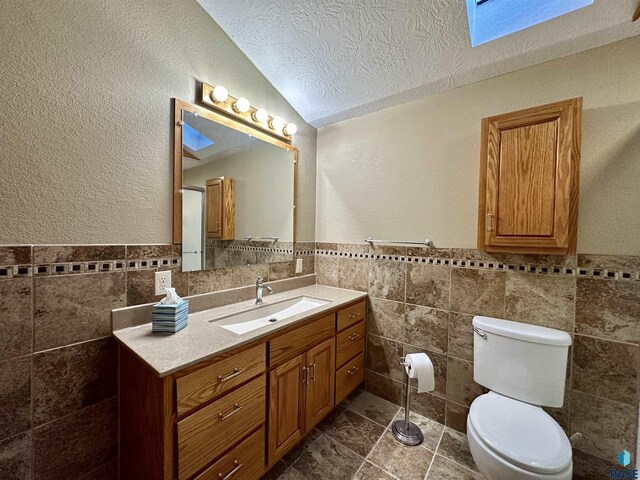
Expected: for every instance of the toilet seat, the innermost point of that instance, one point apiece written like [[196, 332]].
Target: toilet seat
[[522, 434]]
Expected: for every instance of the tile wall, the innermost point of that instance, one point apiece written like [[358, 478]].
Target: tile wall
[[423, 299], [58, 362]]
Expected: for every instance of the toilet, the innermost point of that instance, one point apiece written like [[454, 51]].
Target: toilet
[[524, 366]]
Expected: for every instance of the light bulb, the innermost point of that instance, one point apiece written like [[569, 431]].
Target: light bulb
[[219, 94], [260, 115], [290, 129], [276, 124], [242, 105]]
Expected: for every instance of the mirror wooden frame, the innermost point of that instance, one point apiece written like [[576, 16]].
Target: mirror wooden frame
[[180, 106]]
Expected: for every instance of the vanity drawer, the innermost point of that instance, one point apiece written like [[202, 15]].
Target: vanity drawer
[[351, 315], [212, 381], [350, 343], [349, 377], [296, 341], [207, 433], [246, 461]]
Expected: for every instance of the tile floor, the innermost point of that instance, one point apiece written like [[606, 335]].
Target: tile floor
[[355, 442]]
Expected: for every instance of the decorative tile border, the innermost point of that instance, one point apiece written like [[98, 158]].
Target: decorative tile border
[[86, 258], [540, 269], [16, 271], [75, 268], [288, 248], [253, 248]]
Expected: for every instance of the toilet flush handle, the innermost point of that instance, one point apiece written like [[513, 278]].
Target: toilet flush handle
[[480, 332]]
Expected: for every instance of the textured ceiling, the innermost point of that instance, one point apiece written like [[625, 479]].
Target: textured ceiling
[[337, 59]]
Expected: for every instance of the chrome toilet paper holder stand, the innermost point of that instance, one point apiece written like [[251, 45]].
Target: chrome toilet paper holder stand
[[404, 431]]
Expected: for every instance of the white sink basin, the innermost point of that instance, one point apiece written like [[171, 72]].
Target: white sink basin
[[268, 314]]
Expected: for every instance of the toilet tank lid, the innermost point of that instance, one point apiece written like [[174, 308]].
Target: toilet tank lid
[[522, 331]]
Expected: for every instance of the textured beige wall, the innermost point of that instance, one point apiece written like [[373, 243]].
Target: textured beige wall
[[85, 111], [411, 171]]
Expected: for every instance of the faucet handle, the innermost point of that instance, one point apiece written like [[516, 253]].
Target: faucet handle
[[259, 280]]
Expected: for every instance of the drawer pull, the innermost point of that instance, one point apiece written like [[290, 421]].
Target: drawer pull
[[352, 370], [354, 315], [236, 408], [354, 336], [237, 467], [233, 374]]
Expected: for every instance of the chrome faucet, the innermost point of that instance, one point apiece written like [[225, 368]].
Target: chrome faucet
[[259, 287]]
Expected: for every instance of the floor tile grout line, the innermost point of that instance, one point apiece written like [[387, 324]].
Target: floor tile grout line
[[345, 447], [435, 452], [387, 429], [305, 450], [371, 419], [364, 416], [452, 459]]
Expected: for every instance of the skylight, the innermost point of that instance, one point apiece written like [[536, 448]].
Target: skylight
[[492, 19], [194, 139]]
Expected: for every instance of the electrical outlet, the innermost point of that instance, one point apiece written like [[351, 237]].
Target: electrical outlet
[[299, 265], [163, 280]]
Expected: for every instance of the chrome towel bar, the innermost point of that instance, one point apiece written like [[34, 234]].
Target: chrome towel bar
[[251, 239], [371, 241]]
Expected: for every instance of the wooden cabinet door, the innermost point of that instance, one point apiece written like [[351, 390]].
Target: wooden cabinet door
[[286, 406], [321, 362], [529, 180], [214, 208]]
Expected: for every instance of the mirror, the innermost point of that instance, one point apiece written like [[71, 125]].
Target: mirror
[[237, 192]]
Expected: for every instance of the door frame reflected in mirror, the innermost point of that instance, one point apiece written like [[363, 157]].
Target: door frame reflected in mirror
[[180, 106]]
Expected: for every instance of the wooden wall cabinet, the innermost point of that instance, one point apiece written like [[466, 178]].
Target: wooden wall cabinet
[[220, 208], [529, 179]]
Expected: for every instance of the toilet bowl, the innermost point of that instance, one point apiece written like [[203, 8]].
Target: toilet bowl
[[510, 436], [512, 440]]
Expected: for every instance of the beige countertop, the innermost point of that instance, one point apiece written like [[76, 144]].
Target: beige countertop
[[201, 339]]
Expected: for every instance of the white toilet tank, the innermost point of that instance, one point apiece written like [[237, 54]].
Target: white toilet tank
[[521, 361]]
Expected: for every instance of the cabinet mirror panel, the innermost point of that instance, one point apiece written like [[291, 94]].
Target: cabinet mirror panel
[[237, 192]]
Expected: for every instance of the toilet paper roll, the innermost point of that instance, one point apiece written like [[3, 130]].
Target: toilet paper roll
[[419, 366]]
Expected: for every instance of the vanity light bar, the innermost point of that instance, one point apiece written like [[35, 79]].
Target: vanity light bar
[[218, 97]]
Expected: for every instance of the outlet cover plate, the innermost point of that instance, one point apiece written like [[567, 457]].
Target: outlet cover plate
[[163, 280], [299, 265]]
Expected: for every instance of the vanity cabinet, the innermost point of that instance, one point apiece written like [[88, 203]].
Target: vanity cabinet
[[529, 174], [235, 415], [301, 390], [321, 364], [220, 208], [286, 394]]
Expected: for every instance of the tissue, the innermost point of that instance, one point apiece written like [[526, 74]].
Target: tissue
[[419, 365], [172, 297]]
